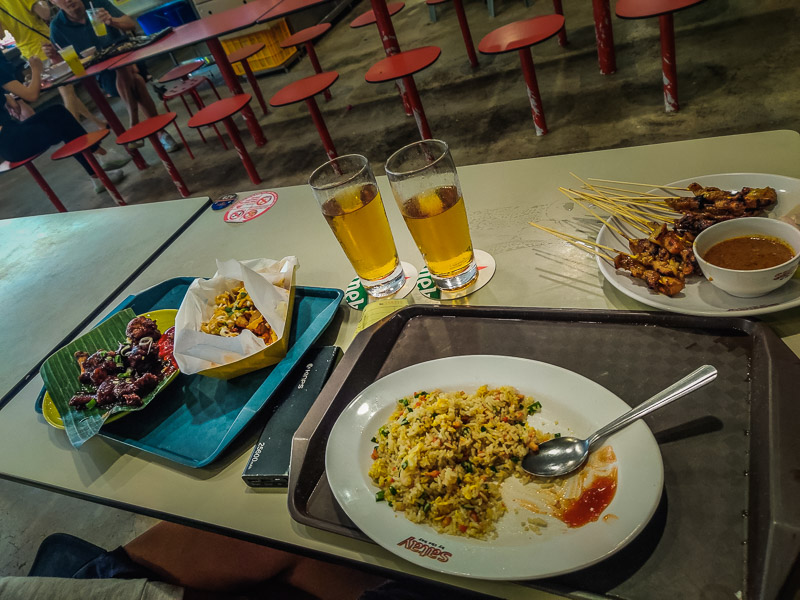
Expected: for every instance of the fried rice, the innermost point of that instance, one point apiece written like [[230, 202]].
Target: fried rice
[[441, 457]]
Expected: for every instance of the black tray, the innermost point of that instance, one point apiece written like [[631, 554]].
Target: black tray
[[729, 518]]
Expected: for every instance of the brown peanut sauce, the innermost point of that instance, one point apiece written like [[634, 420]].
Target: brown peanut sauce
[[748, 253]]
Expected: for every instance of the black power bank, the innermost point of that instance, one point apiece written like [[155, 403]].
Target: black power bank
[[269, 463]]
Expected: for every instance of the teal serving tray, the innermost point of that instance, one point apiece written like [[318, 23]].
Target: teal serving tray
[[193, 420]]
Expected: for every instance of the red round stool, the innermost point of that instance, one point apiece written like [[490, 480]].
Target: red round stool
[[189, 87], [368, 17], [82, 145], [240, 56], [37, 177], [306, 37], [520, 36], [663, 9], [149, 129], [181, 71], [223, 110], [306, 89], [403, 66], [462, 22]]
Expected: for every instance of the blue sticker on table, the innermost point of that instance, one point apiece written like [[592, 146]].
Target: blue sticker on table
[[224, 201]]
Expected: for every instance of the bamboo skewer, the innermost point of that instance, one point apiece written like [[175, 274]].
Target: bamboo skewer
[[574, 237], [578, 242], [651, 213], [650, 185], [638, 209], [627, 214], [608, 224], [590, 211], [643, 194]]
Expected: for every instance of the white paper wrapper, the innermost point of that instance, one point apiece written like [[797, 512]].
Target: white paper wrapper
[[267, 281]]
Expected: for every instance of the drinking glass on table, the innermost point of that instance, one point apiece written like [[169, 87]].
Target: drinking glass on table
[[425, 185], [351, 203], [71, 57], [98, 25]]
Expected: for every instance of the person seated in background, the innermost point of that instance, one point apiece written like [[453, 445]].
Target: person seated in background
[[26, 20], [20, 140], [171, 561], [71, 27]]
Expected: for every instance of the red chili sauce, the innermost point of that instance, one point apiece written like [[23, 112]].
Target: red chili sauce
[[166, 345], [591, 503]]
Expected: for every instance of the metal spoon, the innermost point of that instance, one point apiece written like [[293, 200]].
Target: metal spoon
[[560, 456]]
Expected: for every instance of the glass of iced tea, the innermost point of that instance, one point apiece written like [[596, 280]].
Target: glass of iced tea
[[425, 185], [351, 203]]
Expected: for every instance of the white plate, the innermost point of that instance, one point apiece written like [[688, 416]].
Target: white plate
[[579, 405], [699, 297]]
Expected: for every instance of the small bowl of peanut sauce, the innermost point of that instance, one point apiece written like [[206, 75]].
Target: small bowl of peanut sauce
[[749, 256]]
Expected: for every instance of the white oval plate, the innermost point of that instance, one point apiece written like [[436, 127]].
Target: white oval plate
[[700, 297], [579, 405]]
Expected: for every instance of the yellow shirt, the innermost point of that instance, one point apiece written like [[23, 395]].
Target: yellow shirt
[[28, 42]]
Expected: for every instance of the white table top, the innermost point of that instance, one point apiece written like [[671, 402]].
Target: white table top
[[66, 264], [532, 270]]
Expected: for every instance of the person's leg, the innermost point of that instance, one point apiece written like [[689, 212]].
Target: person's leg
[[326, 580], [203, 560], [143, 96], [207, 561], [127, 91], [37, 133], [149, 108], [76, 106]]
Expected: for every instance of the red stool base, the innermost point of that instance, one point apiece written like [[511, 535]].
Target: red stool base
[[240, 56], [663, 9], [149, 129], [82, 145], [307, 36], [368, 17], [37, 177], [520, 36], [306, 89], [464, 25], [401, 67], [181, 71], [189, 87], [223, 110]]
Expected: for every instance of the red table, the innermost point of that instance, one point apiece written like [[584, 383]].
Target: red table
[[286, 8], [208, 30]]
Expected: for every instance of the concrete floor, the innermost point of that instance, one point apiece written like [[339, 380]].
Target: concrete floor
[[739, 71]]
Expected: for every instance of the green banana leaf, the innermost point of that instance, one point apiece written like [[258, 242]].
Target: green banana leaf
[[60, 374]]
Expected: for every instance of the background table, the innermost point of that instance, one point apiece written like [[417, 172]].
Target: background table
[[99, 97], [208, 30], [532, 270], [60, 269]]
